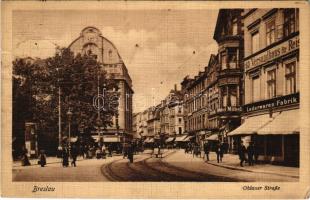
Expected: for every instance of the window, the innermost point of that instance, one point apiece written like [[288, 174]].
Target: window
[[179, 109], [235, 28], [271, 83], [180, 130], [255, 89], [270, 32], [255, 42], [232, 58], [223, 60], [290, 77], [180, 120], [289, 21]]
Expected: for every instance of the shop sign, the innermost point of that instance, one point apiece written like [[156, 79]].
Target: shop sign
[[273, 53], [272, 103]]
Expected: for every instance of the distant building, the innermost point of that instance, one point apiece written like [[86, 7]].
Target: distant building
[[195, 103], [92, 42], [171, 114], [271, 80]]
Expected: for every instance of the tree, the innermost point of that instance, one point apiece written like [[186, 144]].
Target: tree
[[35, 92]]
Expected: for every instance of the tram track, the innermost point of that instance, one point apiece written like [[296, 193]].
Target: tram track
[[146, 168]]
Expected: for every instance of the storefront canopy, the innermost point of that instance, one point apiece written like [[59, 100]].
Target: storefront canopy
[[170, 139], [180, 138], [213, 137], [287, 122], [149, 140], [111, 139], [188, 138], [251, 125]]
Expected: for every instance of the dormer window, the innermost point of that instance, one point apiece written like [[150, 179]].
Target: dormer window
[[110, 53]]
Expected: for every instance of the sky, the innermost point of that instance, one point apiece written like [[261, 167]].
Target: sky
[[158, 47]]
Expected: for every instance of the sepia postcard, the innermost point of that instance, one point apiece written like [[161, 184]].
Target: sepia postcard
[[155, 99]]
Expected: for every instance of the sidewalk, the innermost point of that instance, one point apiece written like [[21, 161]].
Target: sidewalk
[[231, 161]]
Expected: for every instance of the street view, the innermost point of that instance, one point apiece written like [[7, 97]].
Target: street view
[[156, 96]]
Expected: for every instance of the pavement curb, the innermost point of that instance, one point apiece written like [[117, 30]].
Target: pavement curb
[[253, 171]]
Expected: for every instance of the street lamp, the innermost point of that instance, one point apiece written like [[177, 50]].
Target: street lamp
[[69, 114], [59, 112]]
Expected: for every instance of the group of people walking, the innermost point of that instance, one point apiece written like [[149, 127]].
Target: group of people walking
[[248, 154], [251, 153]]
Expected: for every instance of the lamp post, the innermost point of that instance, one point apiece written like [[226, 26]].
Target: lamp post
[[59, 112], [69, 114]]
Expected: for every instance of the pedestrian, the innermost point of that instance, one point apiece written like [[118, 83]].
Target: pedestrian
[[130, 153], [103, 151], [222, 147], [74, 154], [219, 152], [241, 152], [42, 158], [125, 150], [98, 153], [110, 150], [250, 151], [65, 157], [206, 148], [25, 160]]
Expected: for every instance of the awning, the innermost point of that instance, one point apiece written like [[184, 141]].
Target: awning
[[149, 140], [188, 138], [251, 125], [170, 139], [287, 122], [111, 139], [213, 137], [73, 139], [201, 133], [180, 138]]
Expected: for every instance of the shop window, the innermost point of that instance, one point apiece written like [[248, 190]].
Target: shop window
[[270, 32], [290, 77], [255, 89], [271, 83], [289, 25], [274, 145], [255, 41]]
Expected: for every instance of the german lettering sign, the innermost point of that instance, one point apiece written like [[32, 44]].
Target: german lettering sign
[[272, 103], [275, 52]]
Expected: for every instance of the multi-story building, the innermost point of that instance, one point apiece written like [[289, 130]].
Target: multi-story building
[[196, 104], [137, 125], [153, 122], [271, 111], [225, 73], [171, 114], [92, 42]]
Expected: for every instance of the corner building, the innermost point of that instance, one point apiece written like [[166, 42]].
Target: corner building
[[92, 41], [225, 74], [271, 78]]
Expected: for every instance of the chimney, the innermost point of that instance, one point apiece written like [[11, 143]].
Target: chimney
[[175, 87]]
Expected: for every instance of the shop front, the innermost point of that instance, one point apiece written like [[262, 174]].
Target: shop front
[[275, 138]]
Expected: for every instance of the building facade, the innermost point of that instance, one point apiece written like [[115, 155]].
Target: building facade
[[271, 79], [226, 86], [171, 114], [196, 104], [92, 41]]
